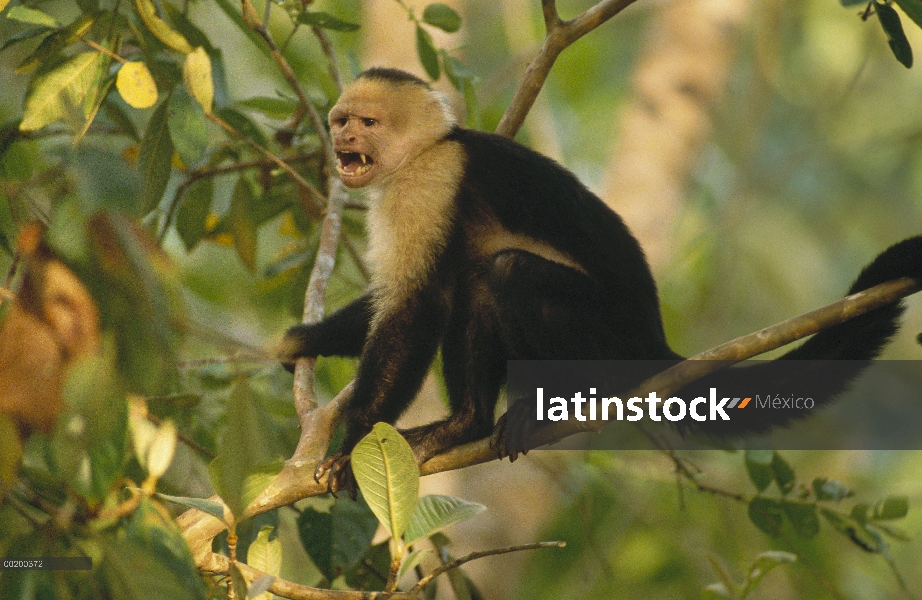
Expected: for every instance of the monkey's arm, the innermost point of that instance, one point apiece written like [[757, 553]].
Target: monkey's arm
[[394, 362], [341, 334]]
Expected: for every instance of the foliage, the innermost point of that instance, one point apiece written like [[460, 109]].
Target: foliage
[[189, 213]]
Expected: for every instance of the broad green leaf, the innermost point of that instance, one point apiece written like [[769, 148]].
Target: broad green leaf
[[803, 517], [193, 211], [33, 16], [241, 226], [315, 529], [427, 54], [159, 577], [116, 113], [196, 75], [242, 124], [436, 512], [896, 38], [60, 92], [211, 507], [860, 512], [155, 158], [891, 507], [783, 474], [766, 514], [386, 471], [188, 127], [366, 575], [22, 36], [160, 28], [326, 21], [89, 440], [246, 460], [136, 85], [912, 8], [759, 467], [442, 16], [266, 555]]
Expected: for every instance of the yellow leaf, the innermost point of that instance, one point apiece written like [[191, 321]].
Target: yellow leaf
[[3, 4], [160, 28], [196, 74], [136, 85]]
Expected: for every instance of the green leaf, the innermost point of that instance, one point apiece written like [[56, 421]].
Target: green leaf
[[896, 38], [90, 438], [242, 124], [764, 563], [891, 507], [48, 51], [386, 471], [188, 127], [354, 526], [22, 36], [442, 16], [436, 512], [803, 517], [766, 514], [60, 92], [759, 467], [274, 108], [427, 54], [412, 560], [783, 474], [326, 21], [155, 158], [157, 579], [848, 3], [194, 207], [913, 10], [860, 512], [246, 460], [210, 507], [265, 554], [315, 529], [855, 531], [33, 16], [241, 225]]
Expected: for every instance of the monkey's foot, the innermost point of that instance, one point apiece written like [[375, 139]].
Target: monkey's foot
[[512, 431], [340, 476]]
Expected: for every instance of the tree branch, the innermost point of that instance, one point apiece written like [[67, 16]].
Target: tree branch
[[560, 34]]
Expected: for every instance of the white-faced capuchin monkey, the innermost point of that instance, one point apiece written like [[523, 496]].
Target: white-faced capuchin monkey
[[493, 252]]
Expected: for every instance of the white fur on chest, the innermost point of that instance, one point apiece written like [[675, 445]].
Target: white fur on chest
[[410, 220]]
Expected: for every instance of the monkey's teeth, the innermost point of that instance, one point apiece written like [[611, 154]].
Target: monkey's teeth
[[364, 158]]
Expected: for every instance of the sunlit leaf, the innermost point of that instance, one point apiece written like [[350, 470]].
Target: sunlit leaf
[[211, 507], [266, 555], [136, 85], [442, 16], [160, 28], [161, 450], [33, 16], [52, 45], [436, 512], [386, 471], [196, 75], [60, 92]]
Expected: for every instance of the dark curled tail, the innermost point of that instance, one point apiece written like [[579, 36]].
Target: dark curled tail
[[834, 356]]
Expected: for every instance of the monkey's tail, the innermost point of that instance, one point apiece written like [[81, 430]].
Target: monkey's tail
[[825, 365]]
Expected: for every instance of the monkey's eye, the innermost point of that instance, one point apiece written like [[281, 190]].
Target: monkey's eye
[[341, 122], [369, 122]]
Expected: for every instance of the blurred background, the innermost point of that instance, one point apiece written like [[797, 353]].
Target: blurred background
[[763, 151]]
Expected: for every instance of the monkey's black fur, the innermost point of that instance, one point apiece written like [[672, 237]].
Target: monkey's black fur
[[484, 308]]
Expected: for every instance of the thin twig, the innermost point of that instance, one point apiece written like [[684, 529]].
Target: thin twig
[[327, 48], [475, 555]]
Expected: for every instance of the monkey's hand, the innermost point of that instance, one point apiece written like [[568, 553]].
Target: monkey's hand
[[513, 430], [340, 477], [297, 343]]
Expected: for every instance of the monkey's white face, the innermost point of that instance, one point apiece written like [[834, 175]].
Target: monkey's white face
[[377, 127]]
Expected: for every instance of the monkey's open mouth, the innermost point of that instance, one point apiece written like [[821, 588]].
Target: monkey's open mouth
[[353, 163]]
